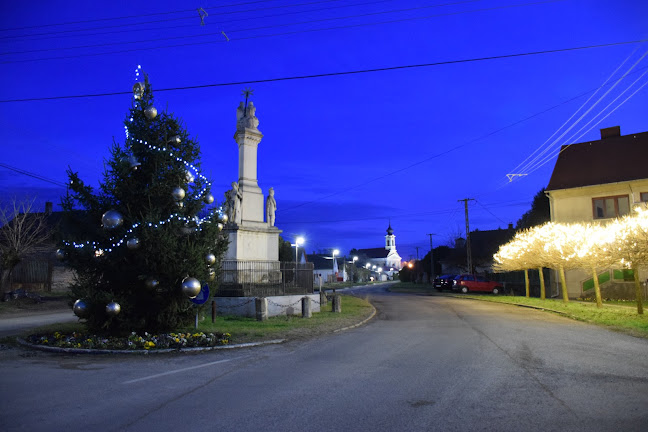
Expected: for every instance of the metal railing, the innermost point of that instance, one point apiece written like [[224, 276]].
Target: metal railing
[[264, 278]]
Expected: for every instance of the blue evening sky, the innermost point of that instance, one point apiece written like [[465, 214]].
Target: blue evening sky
[[345, 153]]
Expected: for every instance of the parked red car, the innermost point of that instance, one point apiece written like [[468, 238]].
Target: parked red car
[[467, 282]]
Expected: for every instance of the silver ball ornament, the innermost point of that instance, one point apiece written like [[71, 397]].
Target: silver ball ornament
[[189, 178], [178, 194], [133, 243], [212, 274], [210, 258], [151, 283], [60, 254], [150, 112], [113, 309], [138, 90], [209, 198], [112, 219], [191, 287], [220, 226], [175, 139], [80, 308], [224, 218]]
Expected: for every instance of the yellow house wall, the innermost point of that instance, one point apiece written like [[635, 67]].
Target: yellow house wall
[[575, 205]]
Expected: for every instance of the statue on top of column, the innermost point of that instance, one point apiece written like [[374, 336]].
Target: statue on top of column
[[245, 118]]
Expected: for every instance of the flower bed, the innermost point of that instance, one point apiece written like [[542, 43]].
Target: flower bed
[[132, 342]]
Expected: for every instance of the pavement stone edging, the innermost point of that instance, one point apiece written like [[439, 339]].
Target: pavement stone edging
[[523, 305], [373, 314], [23, 342]]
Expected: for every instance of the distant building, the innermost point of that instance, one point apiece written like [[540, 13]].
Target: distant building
[[324, 268], [596, 182], [386, 258], [483, 245]]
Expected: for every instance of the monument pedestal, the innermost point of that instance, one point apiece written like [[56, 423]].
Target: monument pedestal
[[252, 243]]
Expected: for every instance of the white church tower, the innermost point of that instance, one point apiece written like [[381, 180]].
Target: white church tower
[[393, 259]]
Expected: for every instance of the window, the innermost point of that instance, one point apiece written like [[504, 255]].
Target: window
[[609, 207], [643, 196]]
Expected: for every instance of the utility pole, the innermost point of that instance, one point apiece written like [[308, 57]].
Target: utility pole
[[417, 255], [431, 259], [468, 250]]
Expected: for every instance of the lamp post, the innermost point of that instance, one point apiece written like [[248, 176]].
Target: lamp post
[[298, 241]]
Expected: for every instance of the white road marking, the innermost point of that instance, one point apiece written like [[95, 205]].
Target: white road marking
[[179, 370]]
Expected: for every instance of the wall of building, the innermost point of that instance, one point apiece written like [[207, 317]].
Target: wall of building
[[575, 205]]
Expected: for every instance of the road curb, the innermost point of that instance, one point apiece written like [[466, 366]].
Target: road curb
[[60, 350], [373, 314], [565, 314]]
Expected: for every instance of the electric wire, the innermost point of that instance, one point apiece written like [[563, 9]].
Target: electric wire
[[153, 14], [519, 167], [617, 82], [240, 30], [331, 74], [278, 34], [193, 17], [593, 126], [166, 28], [31, 174]]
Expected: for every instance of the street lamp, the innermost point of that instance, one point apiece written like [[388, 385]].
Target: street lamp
[[379, 270], [335, 252], [298, 241]]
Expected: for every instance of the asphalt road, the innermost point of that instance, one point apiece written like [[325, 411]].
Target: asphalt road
[[425, 363], [13, 325]]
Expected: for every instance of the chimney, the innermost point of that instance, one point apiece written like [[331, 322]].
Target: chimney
[[614, 131], [48, 207]]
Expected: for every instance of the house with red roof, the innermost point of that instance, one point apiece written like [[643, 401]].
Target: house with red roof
[[597, 181]]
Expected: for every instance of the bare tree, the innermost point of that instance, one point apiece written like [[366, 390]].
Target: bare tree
[[21, 231]]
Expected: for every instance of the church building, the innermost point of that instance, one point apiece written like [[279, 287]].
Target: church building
[[387, 258]]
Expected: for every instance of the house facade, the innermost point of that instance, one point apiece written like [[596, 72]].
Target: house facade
[[596, 182]]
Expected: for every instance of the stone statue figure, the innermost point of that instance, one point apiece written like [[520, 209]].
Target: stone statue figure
[[271, 207], [233, 200], [245, 117]]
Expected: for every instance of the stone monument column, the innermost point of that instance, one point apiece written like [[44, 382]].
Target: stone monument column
[[248, 137], [251, 238]]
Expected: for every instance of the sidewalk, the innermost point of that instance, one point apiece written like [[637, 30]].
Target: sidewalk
[[14, 324]]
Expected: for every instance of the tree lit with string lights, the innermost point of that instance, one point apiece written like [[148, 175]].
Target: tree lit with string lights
[[622, 242], [149, 237]]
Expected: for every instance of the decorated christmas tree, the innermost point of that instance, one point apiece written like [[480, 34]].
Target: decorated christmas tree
[[149, 238]]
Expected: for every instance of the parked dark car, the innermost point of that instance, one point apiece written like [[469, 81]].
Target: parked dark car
[[443, 282], [467, 282]]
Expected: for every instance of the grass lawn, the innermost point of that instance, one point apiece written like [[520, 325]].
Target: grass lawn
[[614, 317], [243, 329]]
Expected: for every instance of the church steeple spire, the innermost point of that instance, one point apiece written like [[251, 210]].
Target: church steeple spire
[[390, 238]]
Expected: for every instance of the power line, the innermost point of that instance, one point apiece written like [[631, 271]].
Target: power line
[[173, 19], [330, 74], [30, 174], [138, 16], [280, 34], [167, 28], [242, 30]]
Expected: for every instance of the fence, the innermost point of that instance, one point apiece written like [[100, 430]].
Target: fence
[[34, 275], [515, 285], [264, 278]]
